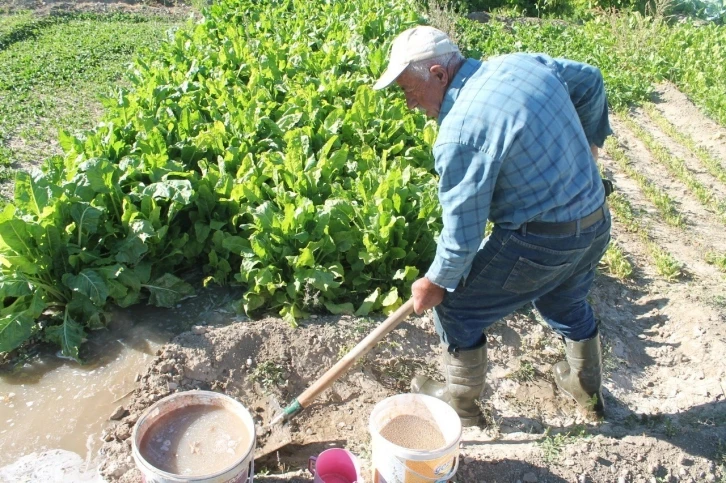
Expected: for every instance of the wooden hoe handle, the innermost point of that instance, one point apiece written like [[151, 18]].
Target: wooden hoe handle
[[361, 349]]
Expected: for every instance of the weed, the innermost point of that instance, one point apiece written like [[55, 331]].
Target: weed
[[631, 421], [525, 373], [552, 445], [442, 16], [268, 374], [670, 429], [720, 459], [717, 259], [610, 361], [719, 301]]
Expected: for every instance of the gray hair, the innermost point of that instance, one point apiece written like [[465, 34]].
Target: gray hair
[[422, 68]]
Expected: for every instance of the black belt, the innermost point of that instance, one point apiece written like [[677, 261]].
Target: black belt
[[541, 228]]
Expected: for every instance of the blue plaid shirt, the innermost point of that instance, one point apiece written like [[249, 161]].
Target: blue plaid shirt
[[514, 146]]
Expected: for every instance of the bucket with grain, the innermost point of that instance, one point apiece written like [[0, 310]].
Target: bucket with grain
[[415, 439]]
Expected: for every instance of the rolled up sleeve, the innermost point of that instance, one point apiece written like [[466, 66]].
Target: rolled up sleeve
[[466, 186]]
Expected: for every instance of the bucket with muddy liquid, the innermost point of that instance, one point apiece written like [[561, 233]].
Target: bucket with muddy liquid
[[415, 439], [195, 437]]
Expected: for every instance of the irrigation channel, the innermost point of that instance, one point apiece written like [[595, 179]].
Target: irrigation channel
[[51, 402]]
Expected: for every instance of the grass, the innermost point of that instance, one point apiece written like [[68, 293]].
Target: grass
[[711, 163], [677, 167], [56, 69]]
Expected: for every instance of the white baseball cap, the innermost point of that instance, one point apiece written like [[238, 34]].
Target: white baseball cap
[[418, 43]]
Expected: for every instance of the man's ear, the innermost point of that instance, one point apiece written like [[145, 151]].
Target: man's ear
[[440, 73]]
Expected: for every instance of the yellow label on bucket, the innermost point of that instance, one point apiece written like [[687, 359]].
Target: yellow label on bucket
[[397, 470]]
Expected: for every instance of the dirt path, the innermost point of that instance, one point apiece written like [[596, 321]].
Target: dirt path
[[664, 385]]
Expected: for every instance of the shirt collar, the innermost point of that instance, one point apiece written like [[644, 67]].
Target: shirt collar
[[465, 71]]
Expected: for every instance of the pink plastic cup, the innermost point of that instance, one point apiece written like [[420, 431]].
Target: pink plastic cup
[[335, 465]]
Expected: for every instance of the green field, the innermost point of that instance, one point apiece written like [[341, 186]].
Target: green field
[[55, 71]]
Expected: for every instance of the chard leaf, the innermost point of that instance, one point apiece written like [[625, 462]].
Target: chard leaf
[[14, 286], [337, 309], [369, 303], [167, 290], [14, 330], [131, 250], [82, 308], [31, 193], [407, 274], [86, 217], [390, 298], [89, 283], [69, 335]]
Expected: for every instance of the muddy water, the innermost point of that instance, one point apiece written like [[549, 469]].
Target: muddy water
[[413, 432], [50, 402], [196, 440]]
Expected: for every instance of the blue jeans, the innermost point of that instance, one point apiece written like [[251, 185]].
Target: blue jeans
[[512, 269]]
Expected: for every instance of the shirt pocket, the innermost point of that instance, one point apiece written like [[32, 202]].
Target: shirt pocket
[[527, 276]]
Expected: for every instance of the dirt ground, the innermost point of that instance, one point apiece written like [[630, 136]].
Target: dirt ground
[[664, 383]]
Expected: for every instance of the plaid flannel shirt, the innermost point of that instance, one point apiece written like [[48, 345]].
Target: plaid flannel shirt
[[514, 146]]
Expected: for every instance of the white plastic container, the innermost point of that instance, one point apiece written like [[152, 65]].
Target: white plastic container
[[241, 471], [395, 464]]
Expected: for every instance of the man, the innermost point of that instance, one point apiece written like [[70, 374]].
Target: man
[[517, 144]]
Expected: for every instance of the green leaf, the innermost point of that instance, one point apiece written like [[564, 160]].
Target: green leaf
[[131, 251], [11, 286], [14, 330], [69, 335], [86, 217], [167, 290], [82, 308], [369, 303], [31, 194], [89, 283], [337, 309], [407, 274], [390, 298]]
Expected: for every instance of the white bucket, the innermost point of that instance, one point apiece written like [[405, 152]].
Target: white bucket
[[395, 464], [241, 471]]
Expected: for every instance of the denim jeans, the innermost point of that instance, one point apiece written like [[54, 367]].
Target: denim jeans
[[512, 269]]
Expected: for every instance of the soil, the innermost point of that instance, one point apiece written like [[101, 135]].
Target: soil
[[664, 383]]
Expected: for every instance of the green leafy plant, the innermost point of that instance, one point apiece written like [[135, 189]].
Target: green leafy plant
[[616, 263], [268, 162], [552, 445]]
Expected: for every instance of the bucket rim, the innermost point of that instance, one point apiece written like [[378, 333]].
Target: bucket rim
[[244, 415], [413, 454]]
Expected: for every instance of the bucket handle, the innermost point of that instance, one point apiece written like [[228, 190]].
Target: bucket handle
[[311, 464], [445, 477]]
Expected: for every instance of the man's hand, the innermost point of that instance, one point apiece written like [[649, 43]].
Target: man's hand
[[595, 151], [426, 295]]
